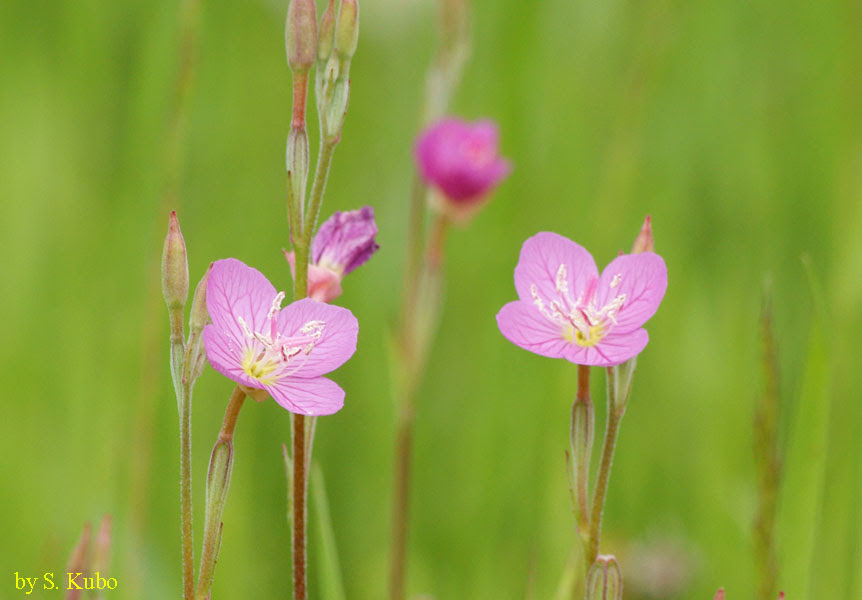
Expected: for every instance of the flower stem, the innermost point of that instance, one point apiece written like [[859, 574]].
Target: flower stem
[[300, 501], [182, 389], [218, 483], [581, 435], [186, 491], [615, 415], [318, 186]]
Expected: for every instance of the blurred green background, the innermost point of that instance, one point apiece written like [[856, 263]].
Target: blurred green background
[[736, 125]]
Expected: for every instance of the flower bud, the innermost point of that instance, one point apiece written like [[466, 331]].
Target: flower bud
[[193, 362], [719, 594], [297, 162], [198, 315], [336, 108], [644, 241], [218, 475], [581, 433], [605, 580], [343, 242], [300, 35], [621, 375], [175, 267], [347, 29], [326, 39], [102, 550], [462, 161]]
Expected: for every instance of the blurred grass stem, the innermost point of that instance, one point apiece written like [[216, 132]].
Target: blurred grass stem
[[443, 76], [767, 458]]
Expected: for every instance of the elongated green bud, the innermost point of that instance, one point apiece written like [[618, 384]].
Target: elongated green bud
[[347, 29], [581, 434], [297, 163], [175, 267], [218, 483], [300, 35], [198, 315], [605, 580], [198, 319], [326, 38]]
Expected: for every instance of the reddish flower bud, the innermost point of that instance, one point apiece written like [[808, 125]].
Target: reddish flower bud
[[175, 267], [644, 242], [300, 35]]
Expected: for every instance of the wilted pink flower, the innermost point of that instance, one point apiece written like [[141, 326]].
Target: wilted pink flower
[[343, 242], [566, 310], [284, 351], [461, 159]]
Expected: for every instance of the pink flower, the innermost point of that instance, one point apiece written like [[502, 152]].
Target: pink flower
[[566, 310], [284, 351], [343, 242], [461, 159]]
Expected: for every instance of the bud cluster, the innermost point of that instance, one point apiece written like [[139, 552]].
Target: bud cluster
[[187, 356], [339, 35]]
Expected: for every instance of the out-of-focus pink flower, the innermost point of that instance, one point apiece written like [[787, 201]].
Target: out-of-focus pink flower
[[343, 242], [283, 351], [566, 310], [462, 160]]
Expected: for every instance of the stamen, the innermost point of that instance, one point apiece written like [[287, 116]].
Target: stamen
[[245, 328], [313, 328], [616, 280], [562, 284], [276, 305]]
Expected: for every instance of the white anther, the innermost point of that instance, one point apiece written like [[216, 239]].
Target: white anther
[[313, 329], [245, 328], [616, 280], [562, 284], [276, 305]]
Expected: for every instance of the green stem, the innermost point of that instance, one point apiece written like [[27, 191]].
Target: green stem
[[218, 483], [302, 427], [182, 389], [186, 492], [615, 415], [318, 186]]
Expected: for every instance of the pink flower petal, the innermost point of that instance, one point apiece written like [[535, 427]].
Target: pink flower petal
[[522, 324], [642, 278], [618, 348], [236, 290], [317, 396], [539, 263], [225, 356], [336, 344]]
